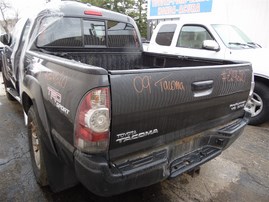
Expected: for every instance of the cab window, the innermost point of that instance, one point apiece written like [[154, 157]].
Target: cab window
[[165, 34], [63, 32], [67, 32], [193, 37], [121, 34], [94, 33]]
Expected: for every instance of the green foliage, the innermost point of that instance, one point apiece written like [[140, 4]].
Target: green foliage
[[134, 8]]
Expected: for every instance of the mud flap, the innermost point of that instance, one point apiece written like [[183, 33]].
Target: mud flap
[[60, 176]]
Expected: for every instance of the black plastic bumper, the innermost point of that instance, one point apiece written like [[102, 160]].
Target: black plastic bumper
[[103, 179]]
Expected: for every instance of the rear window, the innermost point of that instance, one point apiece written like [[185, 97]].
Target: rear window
[[165, 34], [121, 34], [62, 32], [77, 33], [94, 33]]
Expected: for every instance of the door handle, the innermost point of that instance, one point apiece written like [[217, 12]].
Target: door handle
[[202, 88], [202, 85]]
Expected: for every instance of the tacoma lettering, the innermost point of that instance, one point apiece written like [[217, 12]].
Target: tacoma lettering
[[132, 135]]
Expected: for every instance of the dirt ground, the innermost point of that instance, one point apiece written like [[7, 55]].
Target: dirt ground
[[241, 173]]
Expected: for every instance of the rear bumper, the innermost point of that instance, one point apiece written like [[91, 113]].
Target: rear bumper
[[105, 179]]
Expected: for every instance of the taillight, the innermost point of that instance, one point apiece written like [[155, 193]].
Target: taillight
[[93, 121]]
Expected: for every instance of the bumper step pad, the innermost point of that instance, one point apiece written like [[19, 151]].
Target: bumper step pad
[[192, 160]]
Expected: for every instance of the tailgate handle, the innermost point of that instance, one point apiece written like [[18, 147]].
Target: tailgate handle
[[202, 88]]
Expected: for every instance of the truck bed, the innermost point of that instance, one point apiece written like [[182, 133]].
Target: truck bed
[[136, 60]]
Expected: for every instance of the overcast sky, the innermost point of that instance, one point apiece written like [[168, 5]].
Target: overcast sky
[[25, 7]]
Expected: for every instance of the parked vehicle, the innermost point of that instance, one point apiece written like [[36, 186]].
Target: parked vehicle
[[220, 41], [102, 112]]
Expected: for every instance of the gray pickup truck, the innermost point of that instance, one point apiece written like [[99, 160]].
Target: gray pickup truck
[[102, 112]]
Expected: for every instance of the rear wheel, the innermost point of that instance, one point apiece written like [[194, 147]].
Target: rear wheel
[[36, 150], [260, 104]]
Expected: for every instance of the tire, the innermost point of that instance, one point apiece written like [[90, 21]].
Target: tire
[[7, 84], [260, 104], [36, 149]]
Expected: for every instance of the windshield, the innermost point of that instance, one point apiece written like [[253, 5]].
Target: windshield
[[233, 37]]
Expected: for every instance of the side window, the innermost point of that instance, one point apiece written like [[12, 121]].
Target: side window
[[192, 36], [25, 32], [16, 33], [62, 32], [21, 43], [121, 34], [165, 34], [94, 33]]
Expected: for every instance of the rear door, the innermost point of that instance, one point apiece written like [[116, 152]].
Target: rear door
[[156, 106], [13, 52]]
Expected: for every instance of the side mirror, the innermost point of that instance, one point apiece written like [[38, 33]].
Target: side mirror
[[211, 45], [5, 39]]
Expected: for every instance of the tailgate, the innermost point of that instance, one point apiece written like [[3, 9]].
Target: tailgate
[[156, 106]]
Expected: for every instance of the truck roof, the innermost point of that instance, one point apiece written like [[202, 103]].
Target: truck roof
[[78, 9], [185, 20]]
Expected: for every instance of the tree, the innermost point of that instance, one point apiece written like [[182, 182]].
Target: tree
[[141, 16], [6, 11], [136, 9], [120, 6]]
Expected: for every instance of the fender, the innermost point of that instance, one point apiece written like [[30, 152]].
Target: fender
[[60, 175], [34, 91]]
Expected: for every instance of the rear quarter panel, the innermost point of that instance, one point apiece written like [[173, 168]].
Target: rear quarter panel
[[63, 84]]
